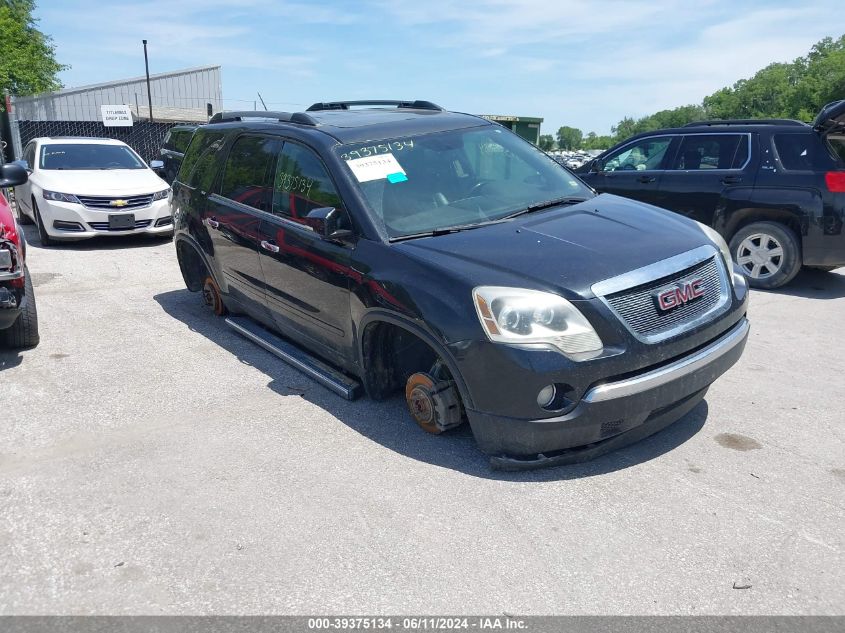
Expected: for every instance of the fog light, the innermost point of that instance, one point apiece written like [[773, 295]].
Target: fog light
[[546, 396]]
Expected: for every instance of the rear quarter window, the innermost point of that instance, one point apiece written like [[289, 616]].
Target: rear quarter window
[[202, 159], [837, 144], [804, 152]]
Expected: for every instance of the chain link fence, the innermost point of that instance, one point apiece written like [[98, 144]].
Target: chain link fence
[[144, 137]]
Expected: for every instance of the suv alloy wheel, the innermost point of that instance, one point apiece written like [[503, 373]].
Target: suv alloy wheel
[[768, 254]]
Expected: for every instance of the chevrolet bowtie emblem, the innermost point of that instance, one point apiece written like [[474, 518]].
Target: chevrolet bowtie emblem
[[118, 203]]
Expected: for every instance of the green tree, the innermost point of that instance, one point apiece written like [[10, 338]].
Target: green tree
[[547, 142], [792, 90], [27, 57], [569, 137], [594, 141]]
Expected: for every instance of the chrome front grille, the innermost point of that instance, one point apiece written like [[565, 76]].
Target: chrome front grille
[[633, 296], [104, 226], [116, 203]]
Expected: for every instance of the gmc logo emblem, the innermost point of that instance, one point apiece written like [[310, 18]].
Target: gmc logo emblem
[[678, 295]]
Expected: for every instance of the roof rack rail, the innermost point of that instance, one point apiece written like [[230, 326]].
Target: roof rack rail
[[345, 105], [283, 117], [711, 122]]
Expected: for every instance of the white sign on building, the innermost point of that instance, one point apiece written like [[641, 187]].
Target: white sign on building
[[116, 115]]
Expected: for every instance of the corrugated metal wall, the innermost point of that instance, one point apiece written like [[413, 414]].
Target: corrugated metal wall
[[180, 95]]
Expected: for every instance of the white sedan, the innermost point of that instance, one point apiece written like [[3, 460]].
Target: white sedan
[[83, 187]]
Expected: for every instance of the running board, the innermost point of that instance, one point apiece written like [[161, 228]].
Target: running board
[[329, 377]]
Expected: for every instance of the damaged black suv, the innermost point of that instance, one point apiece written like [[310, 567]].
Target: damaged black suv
[[396, 246]]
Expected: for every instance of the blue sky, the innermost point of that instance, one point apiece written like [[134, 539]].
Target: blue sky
[[586, 64]]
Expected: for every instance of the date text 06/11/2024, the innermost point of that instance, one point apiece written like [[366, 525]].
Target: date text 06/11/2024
[[480, 623]]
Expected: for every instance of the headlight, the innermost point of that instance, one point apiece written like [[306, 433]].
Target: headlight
[[60, 197], [719, 241], [161, 195], [517, 315]]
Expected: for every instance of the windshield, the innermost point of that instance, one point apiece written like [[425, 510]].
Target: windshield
[[89, 156], [459, 178]]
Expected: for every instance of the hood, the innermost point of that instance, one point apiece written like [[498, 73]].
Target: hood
[[566, 250], [831, 118], [100, 182]]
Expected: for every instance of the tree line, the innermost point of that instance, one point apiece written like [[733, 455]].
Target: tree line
[[27, 57], [789, 90]]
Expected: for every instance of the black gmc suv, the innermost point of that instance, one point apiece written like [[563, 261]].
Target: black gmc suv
[[439, 254], [774, 188]]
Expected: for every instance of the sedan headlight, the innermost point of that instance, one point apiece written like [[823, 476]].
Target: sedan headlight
[[161, 195], [60, 197], [518, 315]]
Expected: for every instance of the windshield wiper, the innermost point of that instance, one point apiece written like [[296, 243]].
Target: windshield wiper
[[446, 230], [546, 204]]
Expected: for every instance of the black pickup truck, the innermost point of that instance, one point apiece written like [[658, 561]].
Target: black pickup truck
[[774, 188], [396, 246]]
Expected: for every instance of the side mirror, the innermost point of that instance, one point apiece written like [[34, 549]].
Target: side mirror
[[596, 166], [12, 175], [326, 223], [158, 167]]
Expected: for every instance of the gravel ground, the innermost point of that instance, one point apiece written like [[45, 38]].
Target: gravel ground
[[152, 461]]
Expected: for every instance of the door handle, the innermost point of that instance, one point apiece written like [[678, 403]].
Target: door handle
[[646, 179], [269, 246], [731, 180], [212, 222]]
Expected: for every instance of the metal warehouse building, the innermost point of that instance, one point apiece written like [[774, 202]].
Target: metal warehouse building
[[181, 95]]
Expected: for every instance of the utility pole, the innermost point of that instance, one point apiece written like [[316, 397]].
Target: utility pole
[[149, 94]]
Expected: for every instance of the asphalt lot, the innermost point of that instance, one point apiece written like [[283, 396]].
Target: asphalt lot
[[152, 461]]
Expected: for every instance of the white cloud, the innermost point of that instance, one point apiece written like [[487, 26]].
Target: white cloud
[[575, 62]]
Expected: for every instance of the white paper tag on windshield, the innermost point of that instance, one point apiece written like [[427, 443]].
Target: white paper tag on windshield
[[376, 168]]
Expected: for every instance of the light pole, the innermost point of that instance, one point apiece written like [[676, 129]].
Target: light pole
[[149, 94]]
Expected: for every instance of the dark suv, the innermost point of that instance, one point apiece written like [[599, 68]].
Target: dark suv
[[775, 189], [440, 255], [173, 150]]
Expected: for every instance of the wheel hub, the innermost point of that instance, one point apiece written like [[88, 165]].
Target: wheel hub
[[211, 297], [434, 404], [760, 255], [422, 408]]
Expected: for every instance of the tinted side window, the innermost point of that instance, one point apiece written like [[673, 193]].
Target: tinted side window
[[200, 163], [837, 143], [795, 151], [302, 183], [246, 177], [647, 153], [179, 140], [712, 151]]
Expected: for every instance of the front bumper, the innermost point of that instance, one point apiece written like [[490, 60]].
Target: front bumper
[[610, 414], [71, 221]]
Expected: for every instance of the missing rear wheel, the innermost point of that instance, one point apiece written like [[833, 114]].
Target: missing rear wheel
[[211, 296]]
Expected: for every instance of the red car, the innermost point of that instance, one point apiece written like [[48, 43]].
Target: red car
[[18, 316]]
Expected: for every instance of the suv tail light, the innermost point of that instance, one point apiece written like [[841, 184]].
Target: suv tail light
[[835, 181]]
